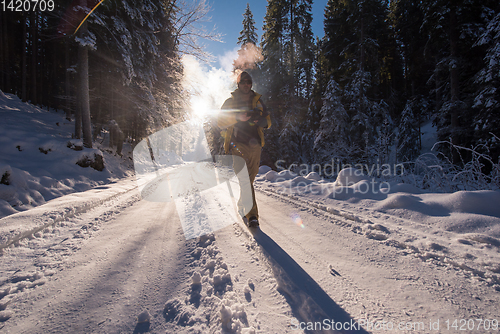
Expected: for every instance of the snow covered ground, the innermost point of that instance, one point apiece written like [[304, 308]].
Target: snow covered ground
[[38, 157], [356, 254]]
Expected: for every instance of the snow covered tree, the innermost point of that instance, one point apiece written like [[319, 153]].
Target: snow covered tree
[[288, 51], [249, 32], [408, 139], [249, 54], [313, 116], [486, 100], [332, 138], [301, 47], [406, 17], [452, 29], [274, 72], [356, 49], [273, 66]]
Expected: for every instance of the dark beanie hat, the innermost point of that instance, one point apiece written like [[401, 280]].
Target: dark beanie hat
[[243, 76]]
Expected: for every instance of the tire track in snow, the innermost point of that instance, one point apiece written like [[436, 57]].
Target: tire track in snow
[[31, 262], [128, 267], [14, 233], [402, 236], [433, 288]]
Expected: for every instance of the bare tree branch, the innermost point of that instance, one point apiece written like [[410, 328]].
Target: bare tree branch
[[190, 25]]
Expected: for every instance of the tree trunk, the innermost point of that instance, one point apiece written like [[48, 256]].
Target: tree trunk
[[78, 111], [5, 54], [83, 68], [454, 81], [67, 79], [3, 42], [24, 63], [34, 53]]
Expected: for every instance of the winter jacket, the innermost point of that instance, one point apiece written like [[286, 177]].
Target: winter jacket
[[227, 119]]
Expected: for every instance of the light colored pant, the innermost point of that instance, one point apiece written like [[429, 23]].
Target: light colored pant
[[251, 155]]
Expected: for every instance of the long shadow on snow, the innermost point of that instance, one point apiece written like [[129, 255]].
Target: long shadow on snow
[[304, 290]]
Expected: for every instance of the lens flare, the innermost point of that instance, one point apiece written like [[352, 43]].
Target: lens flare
[[199, 108], [87, 17], [297, 220], [207, 88]]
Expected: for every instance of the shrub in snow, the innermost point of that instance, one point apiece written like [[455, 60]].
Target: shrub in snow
[[5, 178], [349, 176], [94, 160], [44, 151], [76, 145], [436, 172]]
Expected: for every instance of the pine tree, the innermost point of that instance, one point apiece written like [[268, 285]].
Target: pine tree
[[407, 17], [274, 73], [143, 93], [249, 32], [332, 140], [486, 99], [408, 135], [358, 59], [249, 55], [288, 50]]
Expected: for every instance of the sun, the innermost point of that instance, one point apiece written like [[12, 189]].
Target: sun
[[201, 109]]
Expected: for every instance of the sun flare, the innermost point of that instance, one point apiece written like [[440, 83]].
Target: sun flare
[[208, 87], [201, 109]]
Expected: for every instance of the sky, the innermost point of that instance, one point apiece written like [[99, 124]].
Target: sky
[[227, 17]]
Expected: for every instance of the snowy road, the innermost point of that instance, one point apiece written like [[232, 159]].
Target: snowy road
[[99, 271]]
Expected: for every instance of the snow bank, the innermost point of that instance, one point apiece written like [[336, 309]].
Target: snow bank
[[40, 161], [350, 176], [464, 212], [27, 223]]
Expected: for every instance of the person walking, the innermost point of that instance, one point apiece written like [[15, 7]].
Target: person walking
[[243, 117]]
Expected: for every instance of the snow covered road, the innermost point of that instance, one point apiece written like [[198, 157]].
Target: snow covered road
[[124, 266]]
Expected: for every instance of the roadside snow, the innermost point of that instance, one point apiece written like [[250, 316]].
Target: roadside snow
[[38, 157], [464, 224]]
